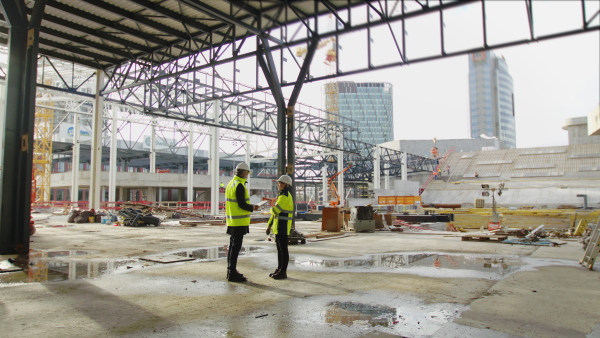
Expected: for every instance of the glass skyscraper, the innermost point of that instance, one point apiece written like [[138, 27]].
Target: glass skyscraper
[[492, 110], [371, 105]]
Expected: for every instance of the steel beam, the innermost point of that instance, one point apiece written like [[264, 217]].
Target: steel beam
[[270, 73]]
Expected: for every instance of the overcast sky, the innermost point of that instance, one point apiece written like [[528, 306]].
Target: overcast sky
[[553, 80]]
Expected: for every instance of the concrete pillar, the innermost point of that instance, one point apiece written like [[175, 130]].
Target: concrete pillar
[[96, 149], [377, 169], [325, 186], [404, 166], [190, 165], [151, 194], [341, 178], [213, 166], [152, 146], [75, 161], [112, 173], [247, 157], [341, 175], [387, 175]]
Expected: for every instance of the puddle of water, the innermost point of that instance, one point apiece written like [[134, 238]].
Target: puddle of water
[[413, 319], [438, 265], [351, 313], [51, 266], [373, 311], [215, 252]]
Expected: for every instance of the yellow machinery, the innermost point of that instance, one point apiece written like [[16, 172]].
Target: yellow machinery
[[42, 152]]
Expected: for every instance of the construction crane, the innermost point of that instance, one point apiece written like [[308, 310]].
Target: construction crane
[[42, 152], [331, 85], [301, 51], [332, 189]]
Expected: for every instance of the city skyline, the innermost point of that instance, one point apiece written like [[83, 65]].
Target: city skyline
[[554, 80]]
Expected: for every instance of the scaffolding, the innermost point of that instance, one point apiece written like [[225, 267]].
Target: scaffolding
[[42, 153]]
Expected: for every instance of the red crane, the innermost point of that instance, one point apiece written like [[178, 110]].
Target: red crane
[[332, 187]]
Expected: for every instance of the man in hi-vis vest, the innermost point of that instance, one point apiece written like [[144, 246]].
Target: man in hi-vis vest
[[281, 221], [237, 214]]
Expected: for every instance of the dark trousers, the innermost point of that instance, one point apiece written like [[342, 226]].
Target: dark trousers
[[235, 245], [281, 240]]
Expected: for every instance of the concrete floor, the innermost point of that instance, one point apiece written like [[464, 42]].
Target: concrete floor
[[378, 284]]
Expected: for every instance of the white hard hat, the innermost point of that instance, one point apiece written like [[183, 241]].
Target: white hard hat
[[285, 179], [242, 166]]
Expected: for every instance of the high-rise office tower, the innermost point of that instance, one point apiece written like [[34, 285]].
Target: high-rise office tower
[[492, 110], [371, 105]]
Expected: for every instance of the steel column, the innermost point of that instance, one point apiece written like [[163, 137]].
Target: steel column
[[17, 163], [112, 174], [377, 169], [289, 112], [270, 72]]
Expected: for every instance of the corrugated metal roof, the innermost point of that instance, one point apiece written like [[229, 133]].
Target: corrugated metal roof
[[104, 33]]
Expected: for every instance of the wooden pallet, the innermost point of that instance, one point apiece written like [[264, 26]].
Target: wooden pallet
[[484, 238], [291, 240]]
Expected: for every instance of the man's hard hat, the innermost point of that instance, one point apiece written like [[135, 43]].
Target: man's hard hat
[[285, 179], [242, 166]]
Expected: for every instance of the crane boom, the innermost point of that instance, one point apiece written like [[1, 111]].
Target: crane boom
[[332, 187]]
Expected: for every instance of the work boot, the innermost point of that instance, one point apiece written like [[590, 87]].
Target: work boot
[[280, 275], [234, 276], [274, 273]]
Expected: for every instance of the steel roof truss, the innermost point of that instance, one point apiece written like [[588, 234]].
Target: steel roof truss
[[138, 18]]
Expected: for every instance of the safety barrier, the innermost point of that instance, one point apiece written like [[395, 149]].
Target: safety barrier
[[203, 205], [58, 205], [115, 206]]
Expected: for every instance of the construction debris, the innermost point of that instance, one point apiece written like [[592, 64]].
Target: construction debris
[[592, 248], [526, 241], [482, 237]]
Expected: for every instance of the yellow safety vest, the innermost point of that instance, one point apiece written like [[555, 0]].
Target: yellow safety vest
[[283, 211], [235, 215]]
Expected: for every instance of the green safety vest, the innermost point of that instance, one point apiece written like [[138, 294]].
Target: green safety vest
[[235, 215], [283, 211]]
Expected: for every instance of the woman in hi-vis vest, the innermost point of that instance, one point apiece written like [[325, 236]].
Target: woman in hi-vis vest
[[281, 222]]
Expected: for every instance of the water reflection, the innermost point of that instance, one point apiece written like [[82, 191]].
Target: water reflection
[[215, 252], [351, 313], [60, 265], [439, 264], [49, 266]]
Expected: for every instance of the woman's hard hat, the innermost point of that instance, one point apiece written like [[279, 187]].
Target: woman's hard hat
[[243, 166], [285, 179]]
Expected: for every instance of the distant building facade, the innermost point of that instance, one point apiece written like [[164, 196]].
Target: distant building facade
[[423, 147], [370, 104], [579, 129], [491, 99]]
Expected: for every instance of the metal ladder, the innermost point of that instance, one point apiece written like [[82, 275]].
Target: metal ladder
[[592, 248]]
